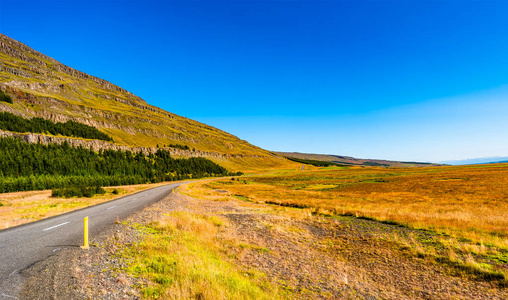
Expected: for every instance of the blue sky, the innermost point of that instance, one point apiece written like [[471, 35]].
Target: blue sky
[[402, 80]]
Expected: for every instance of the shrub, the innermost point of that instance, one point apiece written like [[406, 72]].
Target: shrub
[[183, 147], [77, 192], [5, 98]]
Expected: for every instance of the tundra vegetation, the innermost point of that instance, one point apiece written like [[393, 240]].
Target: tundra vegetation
[[459, 214]]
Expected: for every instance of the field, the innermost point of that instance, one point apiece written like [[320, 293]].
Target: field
[[24, 207], [329, 233], [462, 212]]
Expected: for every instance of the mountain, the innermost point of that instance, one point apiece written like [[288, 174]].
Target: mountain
[[347, 160], [474, 161], [40, 86]]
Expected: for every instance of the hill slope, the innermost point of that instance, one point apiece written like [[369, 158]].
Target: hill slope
[[43, 87], [347, 160], [474, 161]]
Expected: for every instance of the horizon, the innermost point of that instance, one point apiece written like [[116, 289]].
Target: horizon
[[393, 80]]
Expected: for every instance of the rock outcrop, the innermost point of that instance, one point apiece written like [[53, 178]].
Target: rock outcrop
[[97, 145]]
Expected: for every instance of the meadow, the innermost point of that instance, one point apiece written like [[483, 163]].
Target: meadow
[[462, 210]]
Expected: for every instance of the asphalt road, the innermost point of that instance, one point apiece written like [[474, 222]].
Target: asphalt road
[[24, 245]]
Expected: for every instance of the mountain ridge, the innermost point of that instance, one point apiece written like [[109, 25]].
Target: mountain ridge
[[43, 87], [479, 160], [348, 160]]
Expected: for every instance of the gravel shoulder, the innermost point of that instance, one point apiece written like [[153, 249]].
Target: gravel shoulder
[[311, 257]]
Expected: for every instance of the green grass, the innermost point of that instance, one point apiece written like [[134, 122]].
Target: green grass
[[181, 259]]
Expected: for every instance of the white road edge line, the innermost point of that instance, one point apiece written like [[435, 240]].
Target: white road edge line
[[52, 227], [9, 296], [111, 207], [13, 272]]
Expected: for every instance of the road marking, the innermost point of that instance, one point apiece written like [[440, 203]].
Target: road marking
[[55, 226], [111, 207], [57, 249], [13, 272], [9, 296]]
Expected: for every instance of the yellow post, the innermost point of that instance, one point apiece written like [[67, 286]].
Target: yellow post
[[85, 234]]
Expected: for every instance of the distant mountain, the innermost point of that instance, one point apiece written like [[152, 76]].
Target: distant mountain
[[347, 160], [43, 87], [474, 161]]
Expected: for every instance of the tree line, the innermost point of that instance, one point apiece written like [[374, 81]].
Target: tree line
[[25, 166], [12, 122], [317, 163], [183, 147]]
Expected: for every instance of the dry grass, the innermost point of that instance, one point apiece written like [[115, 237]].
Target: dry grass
[[464, 209], [182, 259], [470, 202], [25, 207]]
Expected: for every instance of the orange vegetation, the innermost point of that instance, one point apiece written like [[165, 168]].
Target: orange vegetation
[[467, 201]]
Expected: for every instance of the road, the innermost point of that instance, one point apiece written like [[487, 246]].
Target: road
[[24, 245]]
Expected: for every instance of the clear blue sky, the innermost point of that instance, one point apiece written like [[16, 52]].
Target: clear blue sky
[[402, 80]]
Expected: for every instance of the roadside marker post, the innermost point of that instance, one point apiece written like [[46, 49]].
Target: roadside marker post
[[85, 234]]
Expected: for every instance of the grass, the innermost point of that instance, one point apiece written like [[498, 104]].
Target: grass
[[473, 207], [181, 258], [24, 207], [462, 212]]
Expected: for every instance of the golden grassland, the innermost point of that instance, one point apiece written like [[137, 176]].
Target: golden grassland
[[469, 201], [463, 209], [25, 207], [182, 259]]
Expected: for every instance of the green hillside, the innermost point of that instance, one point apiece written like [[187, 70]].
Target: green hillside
[[40, 86]]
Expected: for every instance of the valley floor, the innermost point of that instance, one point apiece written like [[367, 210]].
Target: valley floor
[[302, 256]]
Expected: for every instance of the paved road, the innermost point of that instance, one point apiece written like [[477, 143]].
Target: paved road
[[24, 245]]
